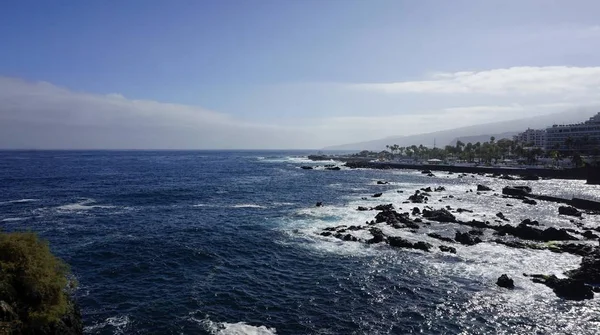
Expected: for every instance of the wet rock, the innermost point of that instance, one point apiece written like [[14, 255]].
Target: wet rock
[[354, 228], [530, 222], [568, 210], [418, 220], [319, 204], [445, 248], [377, 195], [326, 233], [573, 248], [515, 191], [431, 175], [590, 236], [387, 207], [417, 198], [530, 177], [400, 191], [440, 189], [589, 269], [398, 242], [349, 237], [335, 168], [416, 211], [569, 289], [381, 182], [476, 232], [428, 189], [507, 177], [440, 215], [440, 237], [466, 238], [483, 188], [509, 205], [529, 233], [461, 210], [306, 167], [425, 172], [361, 208], [378, 236], [505, 281], [501, 216], [529, 201]]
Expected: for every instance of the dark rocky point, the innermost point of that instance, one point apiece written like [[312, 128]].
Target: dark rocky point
[[505, 281]]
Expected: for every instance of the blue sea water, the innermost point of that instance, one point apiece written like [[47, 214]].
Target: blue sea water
[[209, 242]]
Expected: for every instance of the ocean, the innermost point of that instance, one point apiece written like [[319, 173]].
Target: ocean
[[227, 242]]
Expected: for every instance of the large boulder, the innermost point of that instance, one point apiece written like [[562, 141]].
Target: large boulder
[[567, 288], [505, 281], [440, 215], [399, 242], [440, 237], [378, 236], [445, 248], [589, 270], [516, 191], [568, 210], [466, 238]]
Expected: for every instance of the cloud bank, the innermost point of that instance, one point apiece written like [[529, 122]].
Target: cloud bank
[[40, 115], [520, 81]]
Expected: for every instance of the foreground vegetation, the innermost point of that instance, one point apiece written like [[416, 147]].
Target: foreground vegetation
[[34, 287]]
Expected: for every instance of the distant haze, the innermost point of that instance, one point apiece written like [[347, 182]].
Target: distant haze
[[476, 133], [267, 74]]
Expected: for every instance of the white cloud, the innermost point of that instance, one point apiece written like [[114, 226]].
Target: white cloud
[[42, 115], [518, 81]]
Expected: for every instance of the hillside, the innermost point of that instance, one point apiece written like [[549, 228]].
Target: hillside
[[481, 131]]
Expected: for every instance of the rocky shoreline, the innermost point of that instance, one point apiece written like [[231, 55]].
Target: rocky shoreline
[[419, 213]]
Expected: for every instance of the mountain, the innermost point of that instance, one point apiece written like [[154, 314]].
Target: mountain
[[481, 132]]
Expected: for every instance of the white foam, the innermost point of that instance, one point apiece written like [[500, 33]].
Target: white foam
[[247, 206], [239, 328], [17, 201], [118, 322], [12, 219], [81, 206], [292, 159]]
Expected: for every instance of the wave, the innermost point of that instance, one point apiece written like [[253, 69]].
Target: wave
[[248, 206], [289, 159], [239, 328], [12, 219], [119, 323], [82, 206], [17, 201]]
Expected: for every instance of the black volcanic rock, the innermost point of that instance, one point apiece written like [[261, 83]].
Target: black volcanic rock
[[381, 182], [445, 248], [306, 167], [483, 188], [440, 215], [361, 208], [440, 237], [505, 281], [377, 195], [568, 288], [466, 238], [378, 236], [398, 242], [568, 210]]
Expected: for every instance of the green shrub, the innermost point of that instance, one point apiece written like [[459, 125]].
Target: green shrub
[[32, 279]]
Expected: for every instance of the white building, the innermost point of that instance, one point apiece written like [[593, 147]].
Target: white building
[[583, 137], [532, 137]]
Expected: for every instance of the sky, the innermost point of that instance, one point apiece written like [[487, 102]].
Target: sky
[[272, 74]]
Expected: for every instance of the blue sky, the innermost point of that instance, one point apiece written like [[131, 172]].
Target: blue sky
[[282, 71]]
